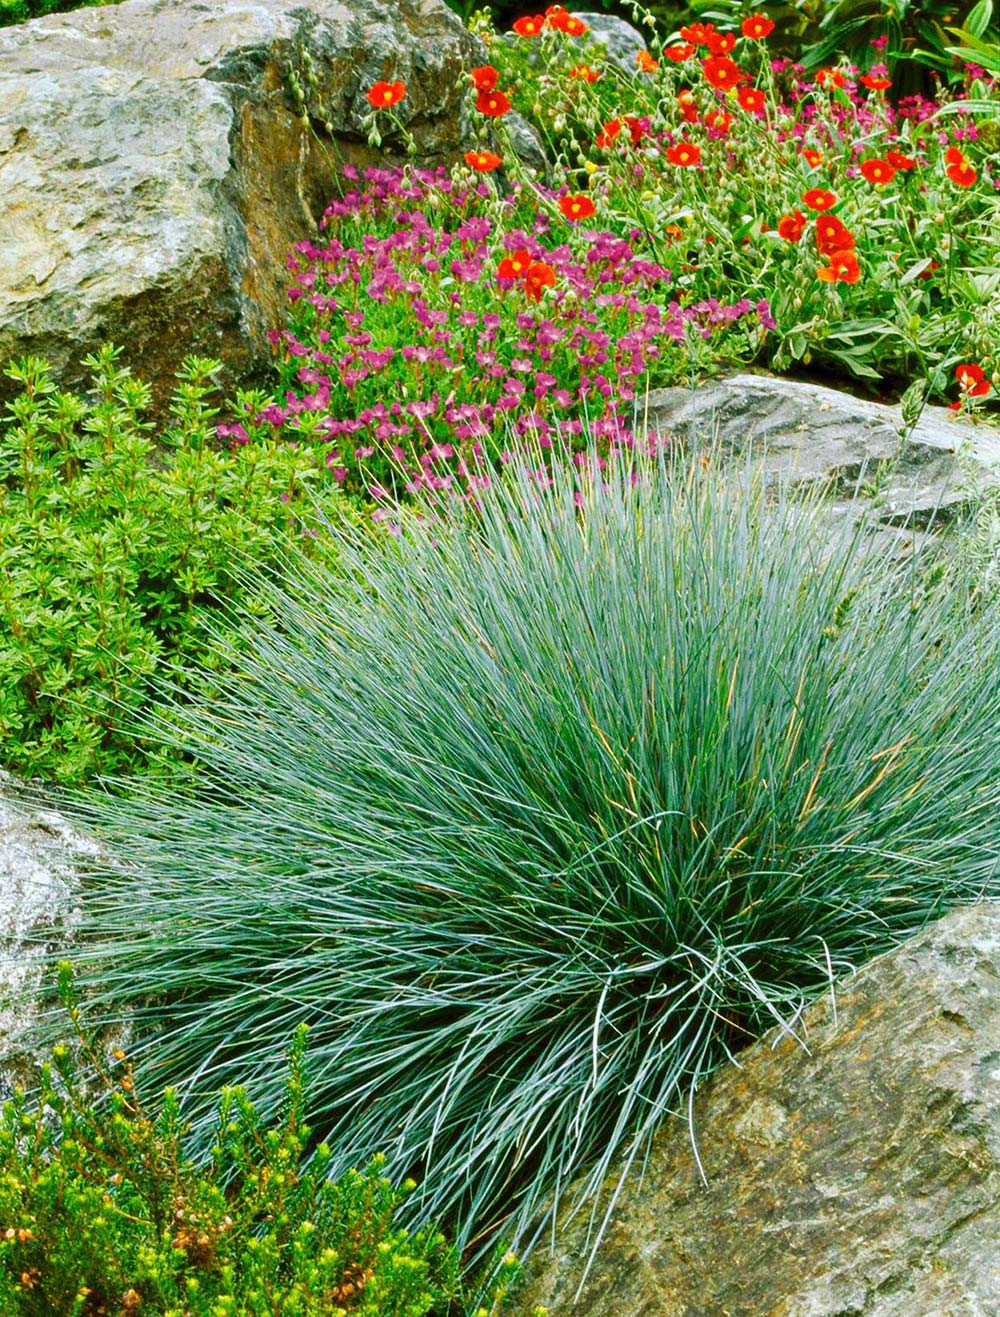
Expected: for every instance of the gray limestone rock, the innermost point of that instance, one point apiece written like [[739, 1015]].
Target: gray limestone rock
[[157, 163], [806, 432], [856, 1174], [621, 41]]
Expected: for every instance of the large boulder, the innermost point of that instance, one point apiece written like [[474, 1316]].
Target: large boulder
[[854, 1169], [807, 433], [158, 158]]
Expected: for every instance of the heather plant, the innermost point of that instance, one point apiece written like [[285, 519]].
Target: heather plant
[[102, 1209], [542, 811], [116, 549]]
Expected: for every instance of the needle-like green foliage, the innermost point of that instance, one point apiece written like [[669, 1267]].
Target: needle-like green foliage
[[553, 808]]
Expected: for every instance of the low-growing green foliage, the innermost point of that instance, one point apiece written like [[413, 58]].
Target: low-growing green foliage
[[19, 11], [114, 550], [101, 1210], [541, 813]]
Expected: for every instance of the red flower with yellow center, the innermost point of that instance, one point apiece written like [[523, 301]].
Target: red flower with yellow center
[[751, 99], [962, 173], [514, 266], [718, 121], [791, 227], [644, 62], [878, 171], [721, 43], [972, 380], [577, 207], [757, 26], [699, 34], [539, 275], [383, 95], [722, 72], [557, 18], [874, 82], [678, 54], [688, 104], [833, 236], [686, 154], [529, 27], [484, 78], [584, 72], [818, 198], [483, 162], [900, 161], [494, 104], [843, 268], [811, 157], [830, 78], [608, 133]]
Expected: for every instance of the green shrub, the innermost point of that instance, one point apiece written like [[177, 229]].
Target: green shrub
[[102, 1212], [541, 815], [19, 11], [114, 551]]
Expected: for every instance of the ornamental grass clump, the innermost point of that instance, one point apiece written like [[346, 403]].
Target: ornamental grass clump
[[555, 806]]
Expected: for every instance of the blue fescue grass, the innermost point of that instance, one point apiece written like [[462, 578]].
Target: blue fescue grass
[[542, 813]]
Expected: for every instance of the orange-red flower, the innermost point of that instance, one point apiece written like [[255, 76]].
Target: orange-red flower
[[751, 99], [483, 162], [843, 268], [529, 27], [484, 77], [962, 173], [757, 26], [635, 128], [515, 266], [383, 95], [577, 207], [688, 104], [494, 104], [830, 78], [953, 156], [972, 380], [718, 121], [699, 34], [644, 62], [811, 157], [874, 82], [900, 161], [722, 72], [539, 275], [679, 53], [557, 18], [686, 154], [608, 133], [584, 72], [877, 171], [791, 227], [833, 236], [721, 43], [818, 198]]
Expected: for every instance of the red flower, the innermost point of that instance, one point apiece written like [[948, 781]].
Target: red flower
[[720, 71], [833, 236], [685, 154], [539, 275], [575, 27], [751, 99], [559, 20], [718, 121], [811, 157], [721, 43], [874, 83], [791, 227], [383, 95], [962, 175], [843, 268], [900, 161], [608, 133], [529, 27], [757, 26], [688, 104], [644, 62], [953, 156], [577, 207], [494, 104], [972, 380], [483, 162], [830, 78], [929, 272], [584, 72], [484, 78], [818, 198], [636, 127], [878, 171], [515, 266], [679, 53], [699, 34]]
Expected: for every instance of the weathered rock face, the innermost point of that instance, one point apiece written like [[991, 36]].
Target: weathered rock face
[[806, 432], [155, 168], [860, 1176], [621, 41], [39, 853]]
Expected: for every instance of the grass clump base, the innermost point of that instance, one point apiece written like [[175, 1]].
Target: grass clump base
[[541, 815]]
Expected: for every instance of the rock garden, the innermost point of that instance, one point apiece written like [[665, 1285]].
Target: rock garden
[[499, 684]]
